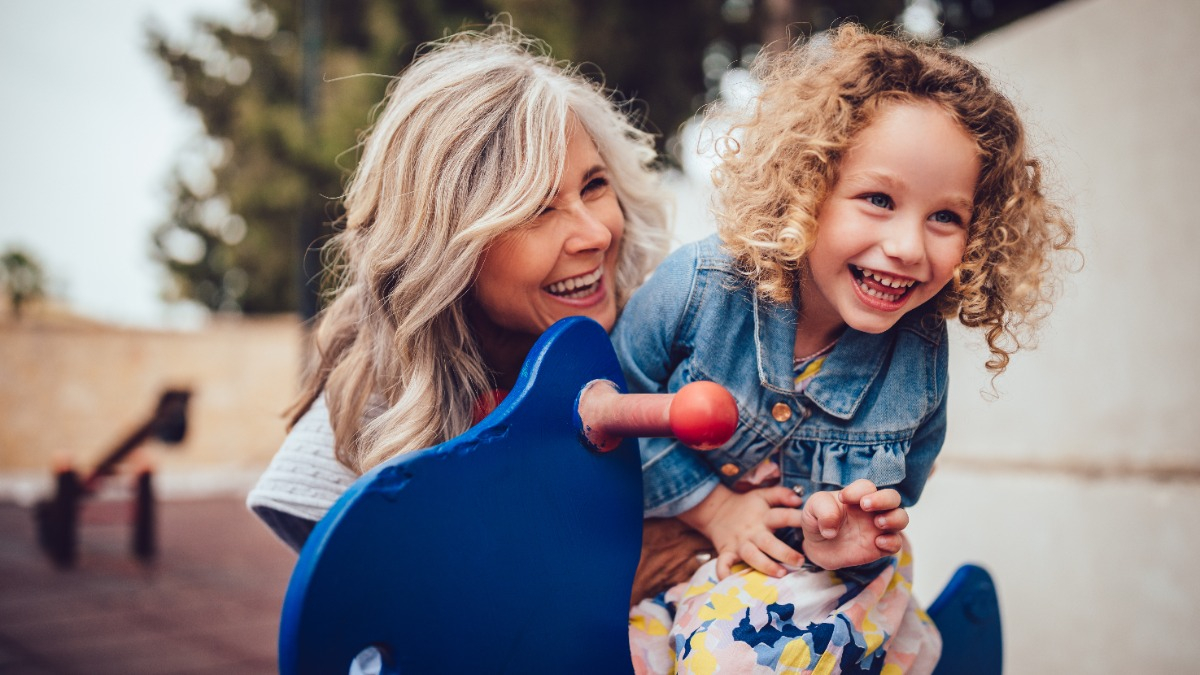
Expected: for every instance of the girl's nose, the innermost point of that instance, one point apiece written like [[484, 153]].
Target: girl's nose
[[905, 241], [588, 233]]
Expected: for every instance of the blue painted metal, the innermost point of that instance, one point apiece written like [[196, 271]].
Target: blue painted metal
[[967, 612], [510, 549]]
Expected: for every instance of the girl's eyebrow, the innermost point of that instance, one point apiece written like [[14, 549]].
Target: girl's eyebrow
[[893, 182], [870, 176]]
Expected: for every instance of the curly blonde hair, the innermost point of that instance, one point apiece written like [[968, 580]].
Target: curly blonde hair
[[780, 163], [468, 142]]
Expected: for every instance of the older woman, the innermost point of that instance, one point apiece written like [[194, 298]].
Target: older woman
[[498, 192]]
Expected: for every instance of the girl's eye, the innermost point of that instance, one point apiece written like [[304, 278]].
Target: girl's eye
[[949, 217], [879, 200]]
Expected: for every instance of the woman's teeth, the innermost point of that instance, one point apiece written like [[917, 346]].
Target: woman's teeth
[[577, 287]]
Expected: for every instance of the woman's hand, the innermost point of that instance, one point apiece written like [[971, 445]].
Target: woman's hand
[[853, 526], [742, 527]]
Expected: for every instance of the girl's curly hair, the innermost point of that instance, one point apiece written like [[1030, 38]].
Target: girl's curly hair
[[779, 164]]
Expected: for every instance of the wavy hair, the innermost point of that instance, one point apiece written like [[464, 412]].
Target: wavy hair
[[468, 142], [781, 162]]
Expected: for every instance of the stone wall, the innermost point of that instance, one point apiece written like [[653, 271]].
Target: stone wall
[[77, 390]]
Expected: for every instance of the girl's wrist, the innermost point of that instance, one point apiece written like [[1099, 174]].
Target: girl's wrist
[[808, 563]]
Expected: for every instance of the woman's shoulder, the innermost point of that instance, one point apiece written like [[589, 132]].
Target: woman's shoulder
[[304, 477]]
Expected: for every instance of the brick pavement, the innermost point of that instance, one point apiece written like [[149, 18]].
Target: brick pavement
[[209, 603]]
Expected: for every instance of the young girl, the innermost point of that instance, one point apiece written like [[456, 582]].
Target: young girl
[[878, 189]]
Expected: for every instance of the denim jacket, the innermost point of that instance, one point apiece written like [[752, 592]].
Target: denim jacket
[[876, 409]]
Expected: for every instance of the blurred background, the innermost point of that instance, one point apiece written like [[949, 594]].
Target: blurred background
[[173, 167]]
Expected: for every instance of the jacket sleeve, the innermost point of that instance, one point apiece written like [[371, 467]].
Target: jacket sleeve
[[650, 341], [929, 437]]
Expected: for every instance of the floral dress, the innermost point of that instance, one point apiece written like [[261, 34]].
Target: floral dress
[[859, 620]]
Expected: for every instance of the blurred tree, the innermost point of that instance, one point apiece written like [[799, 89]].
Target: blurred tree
[[22, 277], [262, 185]]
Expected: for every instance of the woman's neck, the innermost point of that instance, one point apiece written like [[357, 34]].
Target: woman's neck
[[504, 359], [503, 351]]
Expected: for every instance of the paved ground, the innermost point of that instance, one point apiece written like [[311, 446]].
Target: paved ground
[[1095, 575], [208, 604]]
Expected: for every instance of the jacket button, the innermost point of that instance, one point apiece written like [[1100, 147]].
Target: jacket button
[[781, 412], [730, 469]]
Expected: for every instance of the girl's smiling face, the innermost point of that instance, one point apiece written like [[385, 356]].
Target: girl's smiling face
[[894, 226], [561, 264]]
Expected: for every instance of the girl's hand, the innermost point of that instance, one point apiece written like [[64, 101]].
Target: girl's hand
[[742, 527], [853, 526]]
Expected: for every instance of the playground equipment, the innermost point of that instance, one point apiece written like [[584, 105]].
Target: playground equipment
[[470, 556], [58, 519]]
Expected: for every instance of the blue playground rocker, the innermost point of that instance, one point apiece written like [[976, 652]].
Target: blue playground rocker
[[487, 581]]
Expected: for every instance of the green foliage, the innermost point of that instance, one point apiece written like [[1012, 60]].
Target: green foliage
[[262, 187], [22, 278]]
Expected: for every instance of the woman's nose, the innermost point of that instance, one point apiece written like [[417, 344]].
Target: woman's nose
[[588, 232]]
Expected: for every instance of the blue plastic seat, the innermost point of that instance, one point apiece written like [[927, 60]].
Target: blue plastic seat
[[510, 549]]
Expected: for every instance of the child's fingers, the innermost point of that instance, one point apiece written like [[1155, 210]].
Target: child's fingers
[[882, 500], [889, 543], [756, 558], [892, 521], [827, 511], [854, 492], [770, 545], [778, 519], [725, 561], [781, 496]]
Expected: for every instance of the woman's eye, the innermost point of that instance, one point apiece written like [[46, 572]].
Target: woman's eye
[[595, 185], [878, 200]]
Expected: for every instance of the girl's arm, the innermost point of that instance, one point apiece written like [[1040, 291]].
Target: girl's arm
[[650, 342], [742, 526], [924, 449]]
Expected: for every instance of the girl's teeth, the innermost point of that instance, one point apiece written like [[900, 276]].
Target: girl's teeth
[[876, 294], [886, 280]]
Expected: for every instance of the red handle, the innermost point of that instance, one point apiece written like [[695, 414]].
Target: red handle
[[702, 415]]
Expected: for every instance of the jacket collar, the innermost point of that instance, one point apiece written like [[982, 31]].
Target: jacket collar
[[846, 375]]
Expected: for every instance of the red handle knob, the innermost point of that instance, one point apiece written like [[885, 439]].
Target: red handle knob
[[703, 415]]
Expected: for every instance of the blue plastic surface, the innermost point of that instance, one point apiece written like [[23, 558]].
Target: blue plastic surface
[[967, 613], [510, 549]]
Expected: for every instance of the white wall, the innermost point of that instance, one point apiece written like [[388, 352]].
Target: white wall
[[1077, 487], [1113, 91]]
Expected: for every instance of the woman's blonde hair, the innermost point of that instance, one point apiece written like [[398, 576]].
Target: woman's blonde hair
[[470, 140], [781, 162]]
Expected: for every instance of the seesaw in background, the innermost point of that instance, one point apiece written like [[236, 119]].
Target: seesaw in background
[[58, 518], [512, 548]]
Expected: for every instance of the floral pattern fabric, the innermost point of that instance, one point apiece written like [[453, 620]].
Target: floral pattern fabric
[[818, 623]]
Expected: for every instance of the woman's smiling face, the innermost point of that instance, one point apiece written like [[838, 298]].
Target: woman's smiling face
[[561, 264]]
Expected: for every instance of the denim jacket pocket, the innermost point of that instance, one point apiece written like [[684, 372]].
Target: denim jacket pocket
[[840, 463]]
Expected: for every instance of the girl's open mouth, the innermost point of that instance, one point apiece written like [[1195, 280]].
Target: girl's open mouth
[[880, 285]]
